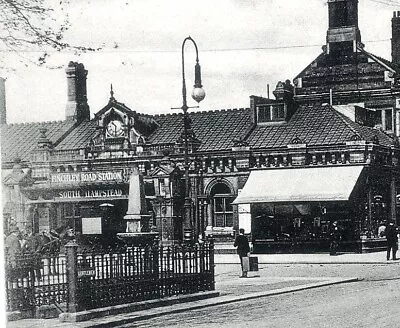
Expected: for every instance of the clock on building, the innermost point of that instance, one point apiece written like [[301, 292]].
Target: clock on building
[[115, 128]]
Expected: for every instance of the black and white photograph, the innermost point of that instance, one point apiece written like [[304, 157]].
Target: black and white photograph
[[206, 164]]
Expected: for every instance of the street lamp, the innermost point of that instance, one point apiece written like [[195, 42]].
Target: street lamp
[[198, 94]]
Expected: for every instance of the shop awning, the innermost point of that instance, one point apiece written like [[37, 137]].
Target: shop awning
[[299, 185]]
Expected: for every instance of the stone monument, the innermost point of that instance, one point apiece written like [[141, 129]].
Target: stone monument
[[137, 217]]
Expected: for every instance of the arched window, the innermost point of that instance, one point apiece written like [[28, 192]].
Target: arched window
[[222, 199]]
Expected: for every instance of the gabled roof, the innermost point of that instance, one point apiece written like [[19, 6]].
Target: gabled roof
[[315, 126], [324, 71], [116, 104], [215, 129], [18, 140], [144, 124]]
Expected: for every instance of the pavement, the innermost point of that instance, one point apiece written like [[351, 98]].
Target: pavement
[[230, 286]]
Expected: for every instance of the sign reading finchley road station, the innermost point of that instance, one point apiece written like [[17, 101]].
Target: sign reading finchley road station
[[78, 177]]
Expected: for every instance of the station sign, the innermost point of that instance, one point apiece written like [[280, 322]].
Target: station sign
[[92, 193], [88, 177]]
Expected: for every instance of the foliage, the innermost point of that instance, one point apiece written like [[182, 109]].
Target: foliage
[[29, 26]]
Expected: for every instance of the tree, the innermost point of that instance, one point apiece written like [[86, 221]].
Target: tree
[[34, 25]]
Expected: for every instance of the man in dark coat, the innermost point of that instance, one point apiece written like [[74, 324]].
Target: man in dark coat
[[243, 249], [334, 238], [391, 237]]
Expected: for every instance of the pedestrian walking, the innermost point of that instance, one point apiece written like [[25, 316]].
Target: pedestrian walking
[[243, 250], [392, 239], [334, 236]]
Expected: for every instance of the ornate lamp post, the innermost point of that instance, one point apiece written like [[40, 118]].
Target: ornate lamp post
[[198, 94]]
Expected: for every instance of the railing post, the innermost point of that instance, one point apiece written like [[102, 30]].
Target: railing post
[[71, 249], [156, 265], [212, 265]]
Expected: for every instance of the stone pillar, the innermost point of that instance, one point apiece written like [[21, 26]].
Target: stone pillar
[[72, 276]]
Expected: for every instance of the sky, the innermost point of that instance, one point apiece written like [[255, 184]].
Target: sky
[[244, 45]]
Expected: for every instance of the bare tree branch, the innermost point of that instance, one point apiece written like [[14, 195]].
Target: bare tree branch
[[30, 25]]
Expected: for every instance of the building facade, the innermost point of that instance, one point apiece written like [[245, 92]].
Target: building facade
[[325, 149]]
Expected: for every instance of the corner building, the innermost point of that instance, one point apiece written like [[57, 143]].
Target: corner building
[[325, 149]]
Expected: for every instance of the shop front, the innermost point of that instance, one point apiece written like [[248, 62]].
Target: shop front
[[292, 209]]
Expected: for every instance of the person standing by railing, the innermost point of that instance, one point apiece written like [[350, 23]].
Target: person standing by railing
[[51, 248], [12, 248], [32, 249]]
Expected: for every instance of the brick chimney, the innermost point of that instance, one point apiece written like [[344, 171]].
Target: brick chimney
[[3, 109], [396, 39], [77, 106], [343, 32]]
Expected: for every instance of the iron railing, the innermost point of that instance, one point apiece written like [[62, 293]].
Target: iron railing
[[98, 278], [139, 273], [34, 281]]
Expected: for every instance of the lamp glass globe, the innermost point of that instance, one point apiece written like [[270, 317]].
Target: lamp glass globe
[[198, 94]]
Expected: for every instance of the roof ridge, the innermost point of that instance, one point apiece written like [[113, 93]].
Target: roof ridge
[[31, 123], [223, 110], [380, 60]]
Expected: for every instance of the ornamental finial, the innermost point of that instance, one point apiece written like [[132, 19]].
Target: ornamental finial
[[112, 94]]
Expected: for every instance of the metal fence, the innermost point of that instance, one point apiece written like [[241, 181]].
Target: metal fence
[[135, 274], [34, 281], [99, 278]]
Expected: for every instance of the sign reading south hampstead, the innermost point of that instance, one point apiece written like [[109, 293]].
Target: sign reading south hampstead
[[104, 193], [77, 177]]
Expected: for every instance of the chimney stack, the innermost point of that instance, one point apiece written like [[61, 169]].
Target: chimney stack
[[77, 106], [3, 109], [396, 39]]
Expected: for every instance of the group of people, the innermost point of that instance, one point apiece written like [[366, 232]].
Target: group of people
[[31, 247]]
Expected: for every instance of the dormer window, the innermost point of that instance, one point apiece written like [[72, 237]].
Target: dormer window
[[271, 113]]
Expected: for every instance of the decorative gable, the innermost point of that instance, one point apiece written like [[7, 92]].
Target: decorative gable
[[120, 132]]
